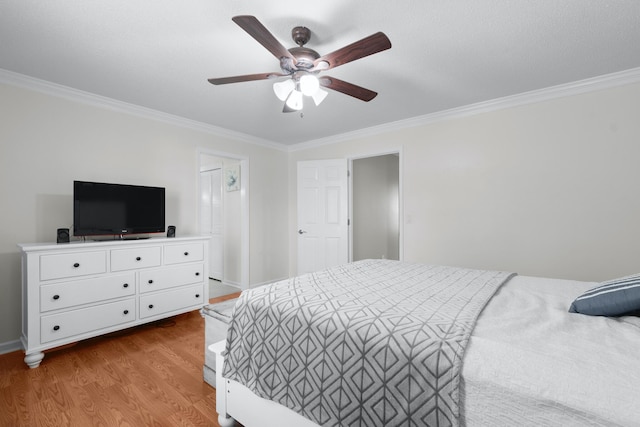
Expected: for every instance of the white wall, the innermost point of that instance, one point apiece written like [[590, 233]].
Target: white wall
[[547, 189], [47, 141]]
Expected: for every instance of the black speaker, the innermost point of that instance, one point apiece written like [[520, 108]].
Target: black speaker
[[63, 235], [171, 231]]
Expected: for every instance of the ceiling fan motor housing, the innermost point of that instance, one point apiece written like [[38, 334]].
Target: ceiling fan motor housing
[[304, 56]]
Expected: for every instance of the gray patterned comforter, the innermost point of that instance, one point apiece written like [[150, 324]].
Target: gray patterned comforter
[[372, 343]]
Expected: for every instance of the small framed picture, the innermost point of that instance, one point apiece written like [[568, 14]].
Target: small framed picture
[[232, 178]]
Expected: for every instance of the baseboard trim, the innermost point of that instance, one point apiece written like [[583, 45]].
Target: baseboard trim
[[232, 284], [255, 285], [10, 346]]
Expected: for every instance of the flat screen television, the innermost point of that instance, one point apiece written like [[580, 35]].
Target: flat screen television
[[117, 209]]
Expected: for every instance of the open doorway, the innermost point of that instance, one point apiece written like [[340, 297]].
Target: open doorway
[[223, 216], [375, 207]]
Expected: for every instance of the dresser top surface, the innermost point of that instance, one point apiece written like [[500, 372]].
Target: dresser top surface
[[96, 244]]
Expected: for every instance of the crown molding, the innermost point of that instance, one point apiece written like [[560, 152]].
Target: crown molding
[[570, 89], [87, 98], [560, 91]]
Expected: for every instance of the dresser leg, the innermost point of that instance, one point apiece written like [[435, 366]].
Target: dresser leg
[[34, 359]]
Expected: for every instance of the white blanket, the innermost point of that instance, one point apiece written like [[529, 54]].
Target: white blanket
[[529, 359]]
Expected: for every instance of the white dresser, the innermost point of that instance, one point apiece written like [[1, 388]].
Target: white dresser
[[79, 290]]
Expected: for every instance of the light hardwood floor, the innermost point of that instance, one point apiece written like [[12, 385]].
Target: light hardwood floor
[[149, 375]]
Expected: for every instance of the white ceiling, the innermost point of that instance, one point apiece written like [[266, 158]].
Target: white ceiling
[[446, 54]]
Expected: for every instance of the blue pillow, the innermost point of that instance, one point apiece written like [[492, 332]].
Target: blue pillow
[[612, 298]]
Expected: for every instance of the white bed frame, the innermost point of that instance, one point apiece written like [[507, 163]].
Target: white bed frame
[[236, 402]]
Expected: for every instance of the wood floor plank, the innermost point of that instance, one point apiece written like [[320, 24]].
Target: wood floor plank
[[93, 404], [125, 403], [11, 406], [149, 375], [190, 417]]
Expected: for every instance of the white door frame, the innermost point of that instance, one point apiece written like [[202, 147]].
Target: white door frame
[[244, 206], [400, 197]]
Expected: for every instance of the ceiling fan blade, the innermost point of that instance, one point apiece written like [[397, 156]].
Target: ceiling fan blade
[[347, 88], [245, 78], [259, 32], [367, 46]]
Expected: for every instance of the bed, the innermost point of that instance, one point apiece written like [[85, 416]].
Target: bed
[[509, 353]]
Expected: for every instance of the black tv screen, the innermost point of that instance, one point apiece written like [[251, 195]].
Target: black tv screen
[[117, 209]]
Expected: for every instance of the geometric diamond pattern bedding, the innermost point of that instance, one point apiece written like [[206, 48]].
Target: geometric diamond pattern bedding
[[371, 343]]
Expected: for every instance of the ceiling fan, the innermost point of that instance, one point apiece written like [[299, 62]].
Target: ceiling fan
[[302, 65]]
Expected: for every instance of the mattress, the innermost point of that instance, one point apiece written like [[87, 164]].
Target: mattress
[[531, 363]]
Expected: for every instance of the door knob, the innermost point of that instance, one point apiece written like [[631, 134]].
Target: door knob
[[301, 231]]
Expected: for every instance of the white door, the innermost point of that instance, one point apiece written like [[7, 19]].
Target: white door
[[323, 229], [211, 215]]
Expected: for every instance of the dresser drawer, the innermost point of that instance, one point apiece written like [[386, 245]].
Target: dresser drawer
[[131, 259], [68, 294], [163, 278], [174, 254], [58, 266], [76, 322], [164, 302]]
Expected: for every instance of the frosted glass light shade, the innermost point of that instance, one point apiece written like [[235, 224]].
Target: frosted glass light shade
[[294, 101], [319, 96], [283, 89], [309, 84]]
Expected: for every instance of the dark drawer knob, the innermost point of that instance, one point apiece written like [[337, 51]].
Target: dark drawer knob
[[150, 281], [150, 305], [126, 285], [56, 297], [197, 273], [186, 254], [76, 265], [138, 258], [197, 295], [55, 328], [126, 312]]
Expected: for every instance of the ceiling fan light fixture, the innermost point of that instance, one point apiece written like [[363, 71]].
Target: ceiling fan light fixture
[[294, 101], [319, 96], [283, 89], [309, 84]]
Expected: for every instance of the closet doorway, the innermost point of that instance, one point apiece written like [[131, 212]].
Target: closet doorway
[[376, 207], [223, 216]]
